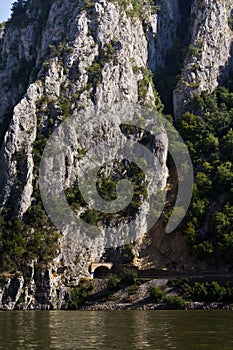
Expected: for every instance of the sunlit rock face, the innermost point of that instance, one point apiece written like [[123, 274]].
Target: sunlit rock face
[[82, 56], [67, 56]]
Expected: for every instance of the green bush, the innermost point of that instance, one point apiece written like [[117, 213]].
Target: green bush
[[65, 105], [3, 25], [210, 292], [80, 294], [182, 284], [216, 292], [128, 253], [19, 16], [113, 282], [203, 249], [133, 289], [156, 293], [204, 291], [89, 3], [90, 216], [129, 276], [138, 8], [175, 302], [94, 73], [200, 292]]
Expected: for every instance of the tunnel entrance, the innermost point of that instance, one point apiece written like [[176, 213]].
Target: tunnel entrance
[[102, 272]]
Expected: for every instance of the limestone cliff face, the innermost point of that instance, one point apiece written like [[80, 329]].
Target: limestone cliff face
[[87, 55], [69, 55], [209, 56]]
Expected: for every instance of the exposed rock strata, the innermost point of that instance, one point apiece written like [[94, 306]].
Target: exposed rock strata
[[87, 55]]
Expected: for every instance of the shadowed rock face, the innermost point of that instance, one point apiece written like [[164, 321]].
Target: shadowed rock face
[[70, 55], [210, 52]]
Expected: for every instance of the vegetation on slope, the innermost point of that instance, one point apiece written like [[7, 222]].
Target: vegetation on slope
[[209, 136], [208, 133]]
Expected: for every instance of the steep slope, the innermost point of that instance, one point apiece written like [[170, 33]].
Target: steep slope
[[97, 53], [63, 56]]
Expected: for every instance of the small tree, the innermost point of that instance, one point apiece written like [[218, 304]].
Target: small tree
[[18, 7], [113, 282], [156, 293], [129, 276], [18, 10], [80, 294], [175, 302]]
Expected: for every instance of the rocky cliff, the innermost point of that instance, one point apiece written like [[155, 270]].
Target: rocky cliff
[[62, 56], [209, 56]]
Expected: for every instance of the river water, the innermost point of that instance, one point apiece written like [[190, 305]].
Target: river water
[[131, 330]]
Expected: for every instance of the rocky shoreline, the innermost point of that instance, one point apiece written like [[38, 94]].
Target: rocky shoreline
[[151, 306], [139, 294], [142, 300]]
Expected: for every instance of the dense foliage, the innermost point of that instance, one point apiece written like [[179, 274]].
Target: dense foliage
[[23, 13], [208, 133], [203, 291], [80, 294], [158, 295], [21, 242]]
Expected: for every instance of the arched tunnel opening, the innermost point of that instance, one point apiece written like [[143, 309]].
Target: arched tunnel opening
[[101, 272]]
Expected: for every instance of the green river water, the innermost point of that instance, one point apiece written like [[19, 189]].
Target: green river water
[[131, 330]]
